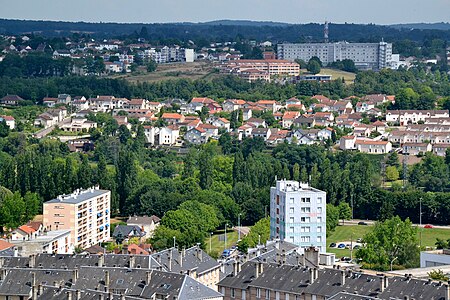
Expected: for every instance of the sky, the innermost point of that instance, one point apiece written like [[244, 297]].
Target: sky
[[289, 11]]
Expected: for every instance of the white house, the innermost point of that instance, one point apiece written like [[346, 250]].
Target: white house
[[347, 142], [9, 120], [150, 134], [416, 148], [373, 147], [404, 117], [169, 135]]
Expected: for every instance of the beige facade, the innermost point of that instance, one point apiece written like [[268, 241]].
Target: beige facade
[[86, 213]]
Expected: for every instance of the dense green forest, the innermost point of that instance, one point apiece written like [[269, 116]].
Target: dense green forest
[[226, 177]]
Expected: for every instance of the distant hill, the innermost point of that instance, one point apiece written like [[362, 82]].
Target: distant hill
[[246, 23], [436, 26], [225, 30]]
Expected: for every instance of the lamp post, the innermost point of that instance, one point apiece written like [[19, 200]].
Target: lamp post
[[226, 225], [174, 239], [239, 227], [420, 221], [210, 242], [392, 261]]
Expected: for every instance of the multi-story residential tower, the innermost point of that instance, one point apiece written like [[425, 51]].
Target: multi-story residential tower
[[298, 214], [374, 56], [86, 213]]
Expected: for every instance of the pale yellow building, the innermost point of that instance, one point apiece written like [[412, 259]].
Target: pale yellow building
[[86, 213]]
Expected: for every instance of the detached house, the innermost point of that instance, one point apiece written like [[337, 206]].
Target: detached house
[[233, 104], [373, 147], [9, 120], [168, 135], [289, 117], [416, 148], [172, 118], [11, 100], [347, 142]]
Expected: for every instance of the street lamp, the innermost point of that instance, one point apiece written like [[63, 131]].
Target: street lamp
[[392, 261], [420, 221], [239, 227], [226, 225], [210, 242]]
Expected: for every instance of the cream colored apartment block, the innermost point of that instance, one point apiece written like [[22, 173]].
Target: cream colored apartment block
[[86, 213]]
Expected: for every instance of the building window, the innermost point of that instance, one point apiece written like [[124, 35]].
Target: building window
[[319, 200], [305, 219], [291, 220], [305, 229], [306, 200], [319, 239], [291, 229], [291, 210], [291, 238], [258, 293], [319, 228], [319, 219], [278, 200], [319, 210], [305, 239], [233, 293], [267, 294], [291, 201], [306, 209]]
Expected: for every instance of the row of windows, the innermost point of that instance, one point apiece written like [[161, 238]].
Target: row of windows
[[305, 229], [263, 294]]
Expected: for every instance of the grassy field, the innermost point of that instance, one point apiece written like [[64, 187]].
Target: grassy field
[[345, 233], [195, 70], [217, 246], [335, 74]]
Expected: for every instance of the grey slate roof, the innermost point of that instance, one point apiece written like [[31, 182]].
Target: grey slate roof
[[128, 230], [19, 281], [348, 296], [143, 220], [193, 258], [399, 287]]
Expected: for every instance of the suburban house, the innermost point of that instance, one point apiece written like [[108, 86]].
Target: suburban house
[[405, 117], [11, 100], [416, 148], [172, 118], [126, 232], [150, 133], [9, 120], [288, 118], [78, 125], [233, 104], [168, 135], [347, 142], [147, 224], [373, 147]]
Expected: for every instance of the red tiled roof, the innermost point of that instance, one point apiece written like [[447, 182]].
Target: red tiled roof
[[5, 245], [171, 116]]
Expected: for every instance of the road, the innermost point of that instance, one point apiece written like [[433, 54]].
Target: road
[[43, 132], [371, 222]]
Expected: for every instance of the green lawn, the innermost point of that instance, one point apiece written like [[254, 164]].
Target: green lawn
[[344, 233], [217, 246]]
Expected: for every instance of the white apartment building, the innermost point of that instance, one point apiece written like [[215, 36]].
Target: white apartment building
[[86, 213], [374, 56], [298, 214]]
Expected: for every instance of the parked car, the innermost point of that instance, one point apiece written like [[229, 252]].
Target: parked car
[[341, 246], [428, 226], [362, 223], [346, 259], [226, 253], [356, 247], [333, 245], [359, 240]]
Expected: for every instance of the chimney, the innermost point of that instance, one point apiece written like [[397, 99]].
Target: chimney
[[132, 261], [56, 284], [256, 270], [69, 295], [304, 260], [122, 297], [277, 244], [199, 254], [1, 262], [169, 261], [181, 259], [316, 273], [101, 261], [33, 285], [383, 286], [75, 275], [238, 266], [447, 291], [311, 276], [148, 277], [386, 282], [235, 269], [40, 289], [32, 262], [342, 278], [106, 281], [406, 297], [78, 293], [101, 297]]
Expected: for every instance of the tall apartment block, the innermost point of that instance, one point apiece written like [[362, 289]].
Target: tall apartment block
[[366, 56], [298, 214], [86, 213]]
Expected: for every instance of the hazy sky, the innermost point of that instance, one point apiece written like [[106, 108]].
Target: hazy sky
[[291, 11]]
